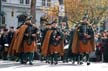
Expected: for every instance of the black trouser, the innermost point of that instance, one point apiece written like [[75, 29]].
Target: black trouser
[[21, 57], [4, 53], [29, 56], [54, 58], [84, 55]]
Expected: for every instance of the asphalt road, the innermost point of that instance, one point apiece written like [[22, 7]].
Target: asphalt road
[[42, 66]]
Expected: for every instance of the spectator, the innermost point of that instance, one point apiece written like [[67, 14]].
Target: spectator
[[5, 44]]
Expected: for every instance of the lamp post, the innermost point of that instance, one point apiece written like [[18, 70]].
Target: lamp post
[[0, 14]]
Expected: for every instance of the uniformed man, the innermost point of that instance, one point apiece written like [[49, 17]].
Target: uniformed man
[[53, 44], [25, 41], [83, 41]]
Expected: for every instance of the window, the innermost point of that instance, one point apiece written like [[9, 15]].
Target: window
[[27, 1], [3, 19], [4, 0], [21, 1], [43, 2], [48, 2], [12, 13]]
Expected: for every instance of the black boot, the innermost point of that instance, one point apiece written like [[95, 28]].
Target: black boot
[[56, 58], [23, 62], [51, 62], [56, 63], [81, 63], [52, 58], [88, 63], [30, 63], [87, 56]]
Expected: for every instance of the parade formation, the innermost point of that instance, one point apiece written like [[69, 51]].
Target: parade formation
[[54, 41], [53, 44]]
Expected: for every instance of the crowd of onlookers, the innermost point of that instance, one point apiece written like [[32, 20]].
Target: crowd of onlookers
[[6, 36], [101, 40]]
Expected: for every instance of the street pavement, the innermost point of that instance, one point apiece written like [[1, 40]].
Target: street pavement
[[42, 66]]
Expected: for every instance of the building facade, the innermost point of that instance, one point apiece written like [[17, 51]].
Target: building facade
[[13, 9]]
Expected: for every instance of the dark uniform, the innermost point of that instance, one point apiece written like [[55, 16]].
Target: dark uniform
[[29, 42], [44, 31], [83, 40], [52, 46], [24, 42], [69, 54], [55, 48], [44, 34]]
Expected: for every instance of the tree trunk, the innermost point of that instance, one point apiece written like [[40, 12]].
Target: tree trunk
[[33, 11]]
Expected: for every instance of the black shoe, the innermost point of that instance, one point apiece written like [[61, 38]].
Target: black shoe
[[64, 61], [22, 62], [51, 62], [81, 63], [56, 63], [88, 63], [48, 62], [67, 61], [73, 62], [30, 63]]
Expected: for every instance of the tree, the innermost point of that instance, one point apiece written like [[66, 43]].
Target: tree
[[33, 11], [76, 9]]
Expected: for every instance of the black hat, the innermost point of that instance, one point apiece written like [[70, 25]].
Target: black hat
[[29, 18]]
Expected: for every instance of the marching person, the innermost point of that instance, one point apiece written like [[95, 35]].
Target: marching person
[[53, 44], [56, 44], [83, 40], [29, 41], [45, 33], [25, 41]]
